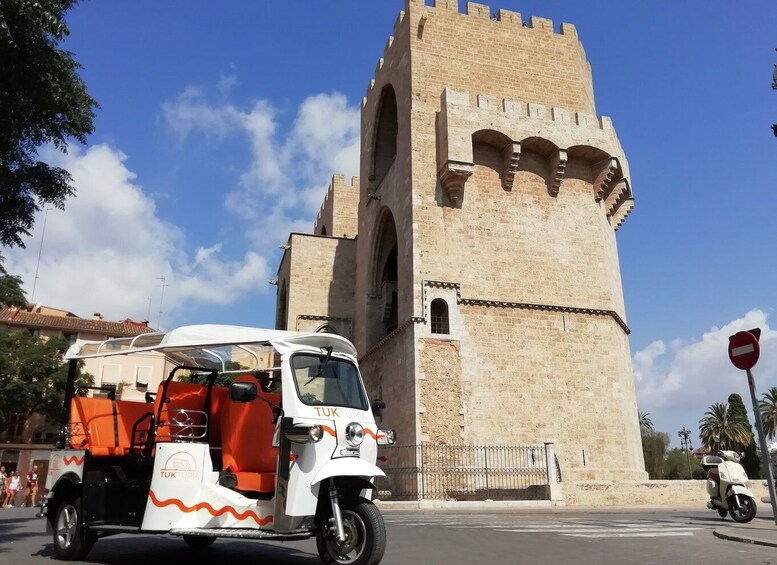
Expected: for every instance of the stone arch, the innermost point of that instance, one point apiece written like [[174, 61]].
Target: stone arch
[[327, 328], [383, 294], [439, 317], [384, 143]]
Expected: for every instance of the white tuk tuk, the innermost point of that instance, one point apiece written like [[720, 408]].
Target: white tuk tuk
[[253, 434]]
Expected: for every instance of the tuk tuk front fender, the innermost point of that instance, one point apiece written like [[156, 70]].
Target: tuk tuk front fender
[[347, 467]]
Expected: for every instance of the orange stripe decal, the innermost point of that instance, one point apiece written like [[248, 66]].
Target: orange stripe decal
[[205, 506], [74, 459], [372, 434], [330, 431]]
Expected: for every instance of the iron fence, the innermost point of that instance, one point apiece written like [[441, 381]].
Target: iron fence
[[463, 472]]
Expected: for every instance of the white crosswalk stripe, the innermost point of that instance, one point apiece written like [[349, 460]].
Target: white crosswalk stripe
[[578, 528]]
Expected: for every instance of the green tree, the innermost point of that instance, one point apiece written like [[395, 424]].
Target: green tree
[[42, 101], [750, 461], [768, 408], [32, 377], [654, 445], [676, 465], [11, 293], [718, 423], [645, 423]]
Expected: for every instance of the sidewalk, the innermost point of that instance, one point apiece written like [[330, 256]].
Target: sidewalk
[[756, 532]]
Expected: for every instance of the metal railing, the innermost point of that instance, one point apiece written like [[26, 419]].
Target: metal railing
[[464, 472]]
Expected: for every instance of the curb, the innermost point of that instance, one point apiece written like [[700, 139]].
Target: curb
[[743, 539], [464, 505]]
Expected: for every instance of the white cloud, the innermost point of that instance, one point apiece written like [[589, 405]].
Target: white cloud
[[282, 187], [683, 379], [107, 250]]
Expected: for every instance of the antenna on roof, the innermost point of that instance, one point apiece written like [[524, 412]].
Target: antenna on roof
[[40, 252], [161, 298]]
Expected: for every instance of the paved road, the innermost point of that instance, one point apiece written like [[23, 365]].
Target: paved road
[[558, 536]]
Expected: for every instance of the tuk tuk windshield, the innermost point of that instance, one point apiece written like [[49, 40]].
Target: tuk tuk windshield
[[332, 382]]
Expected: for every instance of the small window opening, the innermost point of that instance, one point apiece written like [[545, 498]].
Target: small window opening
[[439, 317]]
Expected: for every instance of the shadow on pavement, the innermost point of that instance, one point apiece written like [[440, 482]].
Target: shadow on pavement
[[164, 550]]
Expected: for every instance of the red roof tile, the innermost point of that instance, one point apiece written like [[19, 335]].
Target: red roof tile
[[12, 318]]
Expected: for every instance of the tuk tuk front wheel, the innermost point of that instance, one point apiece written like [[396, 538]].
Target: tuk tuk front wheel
[[365, 536], [71, 541]]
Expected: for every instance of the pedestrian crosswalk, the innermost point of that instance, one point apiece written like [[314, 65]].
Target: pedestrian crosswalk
[[591, 528]]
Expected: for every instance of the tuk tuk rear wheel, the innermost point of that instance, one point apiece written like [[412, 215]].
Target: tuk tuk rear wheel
[[365, 535], [71, 541]]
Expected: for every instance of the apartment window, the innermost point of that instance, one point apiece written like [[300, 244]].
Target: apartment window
[[110, 374], [142, 377], [71, 338], [439, 317]]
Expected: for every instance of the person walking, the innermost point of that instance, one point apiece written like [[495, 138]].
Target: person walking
[[14, 484], [32, 487], [3, 477]]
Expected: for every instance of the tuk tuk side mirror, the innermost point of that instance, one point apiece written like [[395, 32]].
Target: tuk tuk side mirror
[[243, 392], [377, 407]]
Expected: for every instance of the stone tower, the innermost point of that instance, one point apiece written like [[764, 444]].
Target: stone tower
[[486, 302]]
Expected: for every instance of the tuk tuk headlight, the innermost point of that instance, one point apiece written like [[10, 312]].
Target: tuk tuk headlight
[[354, 434], [386, 437], [304, 434]]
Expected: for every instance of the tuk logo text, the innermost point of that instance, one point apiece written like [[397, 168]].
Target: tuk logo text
[[180, 466], [330, 412]]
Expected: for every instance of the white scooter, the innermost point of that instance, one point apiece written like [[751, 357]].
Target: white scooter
[[728, 494]]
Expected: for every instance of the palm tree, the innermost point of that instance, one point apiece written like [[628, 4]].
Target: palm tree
[[645, 423], [717, 425], [768, 408]]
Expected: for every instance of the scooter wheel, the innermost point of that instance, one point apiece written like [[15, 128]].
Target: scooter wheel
[[745, 512], [722, 512]]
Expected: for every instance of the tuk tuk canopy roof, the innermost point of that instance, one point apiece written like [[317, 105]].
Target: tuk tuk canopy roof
[[205, 345]]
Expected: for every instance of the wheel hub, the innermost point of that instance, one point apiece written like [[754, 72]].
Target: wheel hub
[[66, 526]]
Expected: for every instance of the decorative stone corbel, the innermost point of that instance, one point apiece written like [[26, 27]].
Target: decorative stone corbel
[[620, 190], [557, 163], [603, 172], [620, 214], [453, 175], [511, 153]]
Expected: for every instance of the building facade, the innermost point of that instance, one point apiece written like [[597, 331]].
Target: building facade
[[483, 291]]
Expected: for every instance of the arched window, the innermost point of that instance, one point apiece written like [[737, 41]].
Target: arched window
[[439, 317], [383, 298], [323, 230], [384, 149]]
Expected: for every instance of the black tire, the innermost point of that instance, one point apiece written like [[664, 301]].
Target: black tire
[[199, 542], [747, 510], [365, 536], [71, 541], [722, 512]]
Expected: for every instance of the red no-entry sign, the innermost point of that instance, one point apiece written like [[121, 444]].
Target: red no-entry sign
[[743, 350]]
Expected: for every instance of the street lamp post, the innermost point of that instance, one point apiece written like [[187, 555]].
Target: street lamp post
[[685, 441]]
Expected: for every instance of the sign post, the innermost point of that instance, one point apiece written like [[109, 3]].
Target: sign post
[[743, 350]]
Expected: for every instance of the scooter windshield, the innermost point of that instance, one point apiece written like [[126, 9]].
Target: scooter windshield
[[327, 382]]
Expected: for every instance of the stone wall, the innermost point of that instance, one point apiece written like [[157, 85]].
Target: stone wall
[[321, 274], [647, 493], [338, 214]]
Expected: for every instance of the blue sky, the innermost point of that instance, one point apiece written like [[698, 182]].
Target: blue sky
[[222, 123]]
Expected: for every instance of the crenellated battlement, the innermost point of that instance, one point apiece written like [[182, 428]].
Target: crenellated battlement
[[338, 208], [557, 134], [504, 19], [515, 109]]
